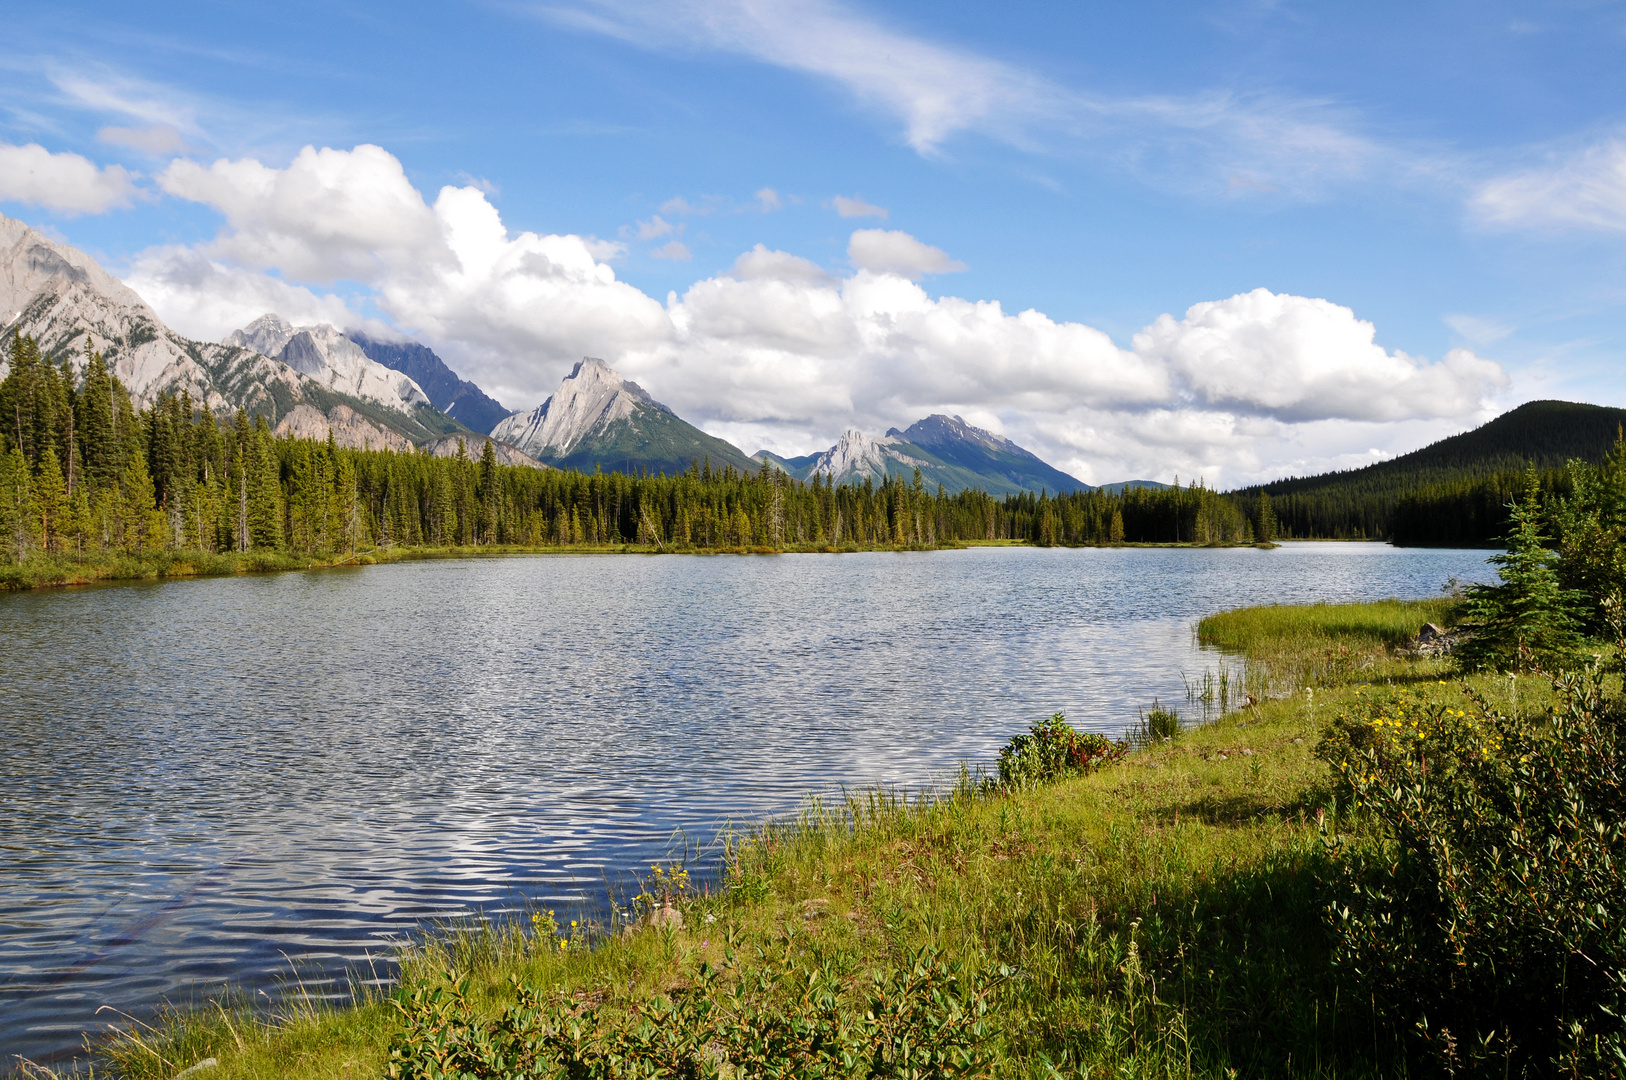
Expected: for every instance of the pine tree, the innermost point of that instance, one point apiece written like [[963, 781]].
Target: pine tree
[[264, 489], [51, 502], [17, 504], [98, 451], [1530, 619]]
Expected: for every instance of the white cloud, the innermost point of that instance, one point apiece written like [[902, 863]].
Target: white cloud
[[154, 140], [330, 215], [679, 205], [760, 263], [655, 228], [895, 251], [208, 299], [1299, 359], [1587, 190], [62, 181], [856, 207], [781, 352], [676, 250], [769, 200]]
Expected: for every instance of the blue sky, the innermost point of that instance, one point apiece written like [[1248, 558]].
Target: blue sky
[[1452, 174]]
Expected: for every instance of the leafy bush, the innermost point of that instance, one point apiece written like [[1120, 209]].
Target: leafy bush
[[1051, 748], [1488, 917], [791, 1015]]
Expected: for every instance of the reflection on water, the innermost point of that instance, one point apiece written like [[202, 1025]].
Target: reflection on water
[[201, 781]]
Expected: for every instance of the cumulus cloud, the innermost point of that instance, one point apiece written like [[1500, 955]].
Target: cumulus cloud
[[780, 352], [894, 251], [1299, 359], [330, 215], [63, 181], [856, 207], [1586, 190], [209, 299]]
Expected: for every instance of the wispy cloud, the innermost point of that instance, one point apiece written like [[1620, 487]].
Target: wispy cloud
[[1584, 189], [938, 91], [857, 207]]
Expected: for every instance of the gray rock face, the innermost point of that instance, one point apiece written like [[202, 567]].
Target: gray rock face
[[325, 354], [349, 429], [457, 397], [446, 447], [72, 307], [61, 297], [591, 398]]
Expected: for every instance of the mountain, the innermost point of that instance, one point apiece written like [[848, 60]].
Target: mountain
[[1545, 434], [947, 451], [456, 397], [596, 417], [1454, 492], [349, 429], [62, 297], [446, 447], [1002, 465], [1124, 485]]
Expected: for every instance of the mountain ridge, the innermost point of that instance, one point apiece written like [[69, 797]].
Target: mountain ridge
[[71, 306], [597, 417], [457, 397], [946, 450]]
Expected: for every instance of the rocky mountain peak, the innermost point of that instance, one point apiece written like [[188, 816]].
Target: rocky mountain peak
[[856, 455], [593, 396], [324, 353]]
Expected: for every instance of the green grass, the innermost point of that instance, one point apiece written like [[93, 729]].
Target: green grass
[[1258, 631], [1161, 918]]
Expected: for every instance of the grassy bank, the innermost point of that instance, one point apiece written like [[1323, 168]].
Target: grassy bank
[[1165, 916]]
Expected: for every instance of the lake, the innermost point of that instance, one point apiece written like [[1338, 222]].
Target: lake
[[206, 782]]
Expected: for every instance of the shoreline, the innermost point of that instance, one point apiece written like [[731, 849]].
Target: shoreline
[[55, 572], [1159, 912]]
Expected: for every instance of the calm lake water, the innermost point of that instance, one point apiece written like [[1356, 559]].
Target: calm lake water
[[203, 782]]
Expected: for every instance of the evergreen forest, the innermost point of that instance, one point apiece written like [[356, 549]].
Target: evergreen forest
[[84, 473]]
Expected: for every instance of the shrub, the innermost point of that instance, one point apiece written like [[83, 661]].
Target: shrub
[[790, 1015], [1488, 917], [1052, 748]]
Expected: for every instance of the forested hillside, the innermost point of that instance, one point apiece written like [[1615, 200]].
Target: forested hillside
[[1453, 492], [83, 473]]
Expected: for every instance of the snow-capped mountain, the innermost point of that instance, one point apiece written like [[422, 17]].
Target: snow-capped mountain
[[947, 451], [325, 354], [598, 418]]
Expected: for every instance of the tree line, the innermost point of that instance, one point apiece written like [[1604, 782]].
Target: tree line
[[83, 471]]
